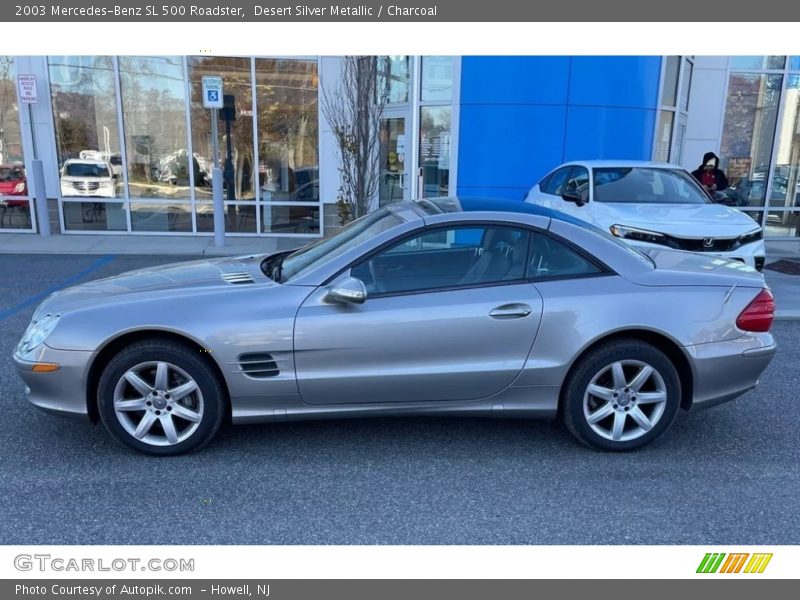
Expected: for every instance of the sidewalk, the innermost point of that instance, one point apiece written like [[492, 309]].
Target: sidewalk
[[785, 287]]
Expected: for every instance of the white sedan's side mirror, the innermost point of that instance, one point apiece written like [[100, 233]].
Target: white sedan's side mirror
[[349, 291]]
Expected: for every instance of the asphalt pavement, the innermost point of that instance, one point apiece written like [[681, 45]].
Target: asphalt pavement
[[728, 475]]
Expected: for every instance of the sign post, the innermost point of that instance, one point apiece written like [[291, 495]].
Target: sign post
[[28, 93], [213, 99]]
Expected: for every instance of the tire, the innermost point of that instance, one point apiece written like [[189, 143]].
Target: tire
[[593, 414], [179, 413]]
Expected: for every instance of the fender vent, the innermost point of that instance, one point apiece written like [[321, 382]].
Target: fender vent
[[237, 278], [259, 365]]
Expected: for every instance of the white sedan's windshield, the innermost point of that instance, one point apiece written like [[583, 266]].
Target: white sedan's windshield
[[309, 257], [647, 185]]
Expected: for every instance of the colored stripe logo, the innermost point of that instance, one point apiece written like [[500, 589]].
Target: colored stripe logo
[[737, 562]]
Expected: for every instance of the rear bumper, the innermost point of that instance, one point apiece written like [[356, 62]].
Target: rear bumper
[[725, 370]]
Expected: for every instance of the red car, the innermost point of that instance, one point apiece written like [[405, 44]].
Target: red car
[[12, 183]]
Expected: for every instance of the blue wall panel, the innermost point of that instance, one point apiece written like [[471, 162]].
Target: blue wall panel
[[514, 79], [523, 115], [615, 81], [507, 143], [616, 133]]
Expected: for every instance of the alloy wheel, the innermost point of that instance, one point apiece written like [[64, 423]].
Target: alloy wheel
[[625, 400], [158, 403]]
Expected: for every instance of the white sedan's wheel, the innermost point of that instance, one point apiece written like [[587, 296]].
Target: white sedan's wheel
[[160, 397], [621, 396]]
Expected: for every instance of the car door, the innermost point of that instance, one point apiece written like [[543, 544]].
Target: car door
[[449, 317]]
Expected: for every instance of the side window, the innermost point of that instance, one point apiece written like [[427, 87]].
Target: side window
[[555, 184], [447, 258], [579, 181], [551, 258]]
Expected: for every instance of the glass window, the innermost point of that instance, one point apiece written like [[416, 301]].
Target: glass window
[[669, 93], [757, 62], [288, 131], [748, 133], [579, 182], [94, 216], [15, 210], [313, 255], [647, 185], [239, 217], [395, 78], [87, 132], [434, 150], [686, 84], [785, 191], [235, 150], [664, 136], [794, 63], [446, 258], [153, 94], [437, 78], [550, 258], [783, 223], [161, 217], [555, 183]]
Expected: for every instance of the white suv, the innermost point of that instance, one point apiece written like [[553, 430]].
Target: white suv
[[651, 205], [88, 179]]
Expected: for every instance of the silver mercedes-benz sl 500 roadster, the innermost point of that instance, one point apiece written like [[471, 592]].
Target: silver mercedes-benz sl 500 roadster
[[461, 307]]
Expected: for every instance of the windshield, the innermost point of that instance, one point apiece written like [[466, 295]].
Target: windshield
[[309, 257], [647, 185], [85, 170], [11, 174]]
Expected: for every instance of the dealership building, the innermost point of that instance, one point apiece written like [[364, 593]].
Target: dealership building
[[127, 146]]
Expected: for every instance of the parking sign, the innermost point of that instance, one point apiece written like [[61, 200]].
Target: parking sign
[[28, 92], [212, 92]]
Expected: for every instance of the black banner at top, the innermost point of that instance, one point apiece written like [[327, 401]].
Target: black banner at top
[[398, 11]]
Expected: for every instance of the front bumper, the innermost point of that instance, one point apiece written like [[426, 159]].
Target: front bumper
[[726, 370], [753, 255], [61, 392]]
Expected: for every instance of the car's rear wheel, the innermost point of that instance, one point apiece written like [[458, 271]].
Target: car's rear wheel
[[160, 397], [621, 396]]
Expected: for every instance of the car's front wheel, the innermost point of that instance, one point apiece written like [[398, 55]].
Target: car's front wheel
[[621, 396], [160, 397]]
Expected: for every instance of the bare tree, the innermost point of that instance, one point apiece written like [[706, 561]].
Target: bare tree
[[353, 108]]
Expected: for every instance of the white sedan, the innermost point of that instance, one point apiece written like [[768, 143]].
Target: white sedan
[[651, 205]]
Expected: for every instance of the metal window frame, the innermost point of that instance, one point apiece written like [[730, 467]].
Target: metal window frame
[[677, 111], [785, 73], [26, 141]]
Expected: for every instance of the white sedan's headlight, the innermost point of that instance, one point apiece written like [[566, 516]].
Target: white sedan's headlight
[[37, 333], [640, 235]]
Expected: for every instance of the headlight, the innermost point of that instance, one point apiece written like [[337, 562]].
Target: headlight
[[37, 333], [639, 235], [19, 188], [751, 236]]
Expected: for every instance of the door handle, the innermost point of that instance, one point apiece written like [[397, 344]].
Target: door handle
[[511, 311]]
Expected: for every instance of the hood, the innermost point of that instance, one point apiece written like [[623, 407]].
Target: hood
[[681, 220], [171, 279]]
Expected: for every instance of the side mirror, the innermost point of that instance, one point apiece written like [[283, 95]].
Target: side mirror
[[723, 198], [573, 196], [349, 291]]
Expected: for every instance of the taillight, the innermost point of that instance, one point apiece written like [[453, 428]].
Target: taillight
[[759, 313]]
